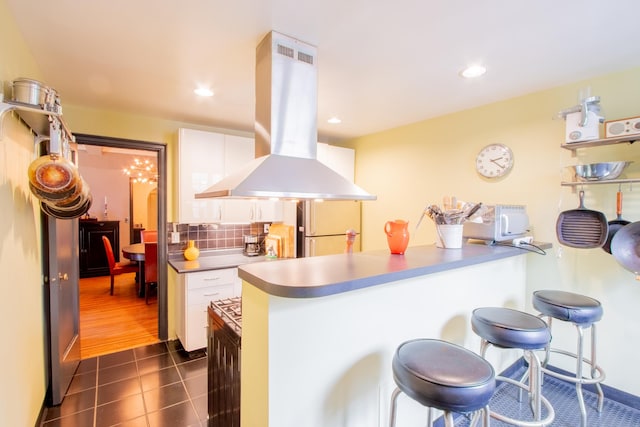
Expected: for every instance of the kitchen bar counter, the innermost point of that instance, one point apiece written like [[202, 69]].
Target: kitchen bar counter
[[213, 260], [319, 334], [327, 275]]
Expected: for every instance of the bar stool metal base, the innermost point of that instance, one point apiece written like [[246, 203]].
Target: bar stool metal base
[[583, 312], [513, 329]]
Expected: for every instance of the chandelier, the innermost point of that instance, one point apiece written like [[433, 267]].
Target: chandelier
[[142, 171]]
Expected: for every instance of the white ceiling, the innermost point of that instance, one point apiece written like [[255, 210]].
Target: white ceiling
[[381, 64]]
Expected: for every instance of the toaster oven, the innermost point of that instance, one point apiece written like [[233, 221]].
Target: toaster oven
[[498, 223]]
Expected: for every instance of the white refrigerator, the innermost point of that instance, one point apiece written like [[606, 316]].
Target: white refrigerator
[[322, 227]]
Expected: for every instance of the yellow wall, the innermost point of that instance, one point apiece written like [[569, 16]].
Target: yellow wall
[[21, 308], [415, 165], [406, 167], [22, 377]]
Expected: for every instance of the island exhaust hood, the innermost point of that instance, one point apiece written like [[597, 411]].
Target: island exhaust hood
[[286, 132]]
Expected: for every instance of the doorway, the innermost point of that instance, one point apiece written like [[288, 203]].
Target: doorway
[[160, 197]]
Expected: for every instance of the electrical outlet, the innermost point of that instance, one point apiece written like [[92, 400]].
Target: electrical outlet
[[266, 228], [522, 240], [175, 237]]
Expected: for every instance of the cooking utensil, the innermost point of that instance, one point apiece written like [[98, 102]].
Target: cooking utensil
[[29, 91], [616, 224], [53, 178], [625, 247], [424, 212], [473, 210], [582, 228], [599, 171], [436, 214], [67, 214]]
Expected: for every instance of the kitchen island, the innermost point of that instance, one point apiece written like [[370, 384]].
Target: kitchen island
[[319, 333]]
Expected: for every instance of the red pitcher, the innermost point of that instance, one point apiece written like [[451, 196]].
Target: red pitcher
[[397, 235]]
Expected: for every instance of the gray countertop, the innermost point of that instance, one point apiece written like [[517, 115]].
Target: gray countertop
[[212, 260], [332, 274]]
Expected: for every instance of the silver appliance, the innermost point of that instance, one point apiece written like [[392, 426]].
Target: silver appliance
[[498, 223], [286, 132], [322, 227], [251, 245]]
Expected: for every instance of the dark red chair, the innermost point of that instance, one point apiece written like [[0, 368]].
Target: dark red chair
[[116, 268], [149, 236], [150, 268]]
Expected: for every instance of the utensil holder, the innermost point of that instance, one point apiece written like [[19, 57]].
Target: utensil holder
[[449, 236]]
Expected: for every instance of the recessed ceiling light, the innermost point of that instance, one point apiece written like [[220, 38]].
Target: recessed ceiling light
[[203, 91], [334, 120], [473, 71]]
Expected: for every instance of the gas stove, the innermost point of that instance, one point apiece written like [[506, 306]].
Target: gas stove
[[224, 354], [230, 312]]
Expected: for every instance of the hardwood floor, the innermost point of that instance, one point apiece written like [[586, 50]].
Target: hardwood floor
[[113, 323]]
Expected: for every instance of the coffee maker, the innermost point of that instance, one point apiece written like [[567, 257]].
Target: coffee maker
[[251, 245]]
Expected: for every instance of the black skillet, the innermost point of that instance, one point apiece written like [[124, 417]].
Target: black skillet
[[582, 228], [616, 224]]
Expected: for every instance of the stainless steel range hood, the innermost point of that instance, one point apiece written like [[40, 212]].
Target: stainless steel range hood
[[286, 132]]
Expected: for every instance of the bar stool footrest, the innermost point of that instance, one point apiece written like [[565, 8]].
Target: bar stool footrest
[[584, 380], [534, 423]]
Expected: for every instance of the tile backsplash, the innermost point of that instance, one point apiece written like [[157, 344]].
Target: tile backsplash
[[214, 236]]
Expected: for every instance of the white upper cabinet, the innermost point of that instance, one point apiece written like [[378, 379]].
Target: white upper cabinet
[[201, 160], [204, 158], [239, 150], [340, 159]]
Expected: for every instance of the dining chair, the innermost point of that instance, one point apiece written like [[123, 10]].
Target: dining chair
[[116, 268], [149, 236], [150, 268]]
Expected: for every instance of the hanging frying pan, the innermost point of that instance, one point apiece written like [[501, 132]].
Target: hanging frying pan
[[52, 178], [76, 212], [625, 247], [616, 224], [582, 228]]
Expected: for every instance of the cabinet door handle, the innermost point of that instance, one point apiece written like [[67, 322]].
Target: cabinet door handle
[[213, 294], [209, 279]]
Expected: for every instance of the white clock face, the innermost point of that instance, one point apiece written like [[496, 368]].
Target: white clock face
[[494, 161]]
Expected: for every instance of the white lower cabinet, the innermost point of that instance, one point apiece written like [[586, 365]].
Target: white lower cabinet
[[194, 292]]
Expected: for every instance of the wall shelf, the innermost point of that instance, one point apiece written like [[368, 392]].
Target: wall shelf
[[600, 142], [609, 181], [35, 117]]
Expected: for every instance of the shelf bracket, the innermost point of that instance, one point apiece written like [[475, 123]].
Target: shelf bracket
[[4, 109]]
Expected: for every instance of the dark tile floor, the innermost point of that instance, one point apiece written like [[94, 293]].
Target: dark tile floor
[[159, 385]]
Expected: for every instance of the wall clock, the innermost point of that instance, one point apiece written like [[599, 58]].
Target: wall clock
[[494, 161]]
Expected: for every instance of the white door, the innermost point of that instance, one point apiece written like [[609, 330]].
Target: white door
[[62, 294]]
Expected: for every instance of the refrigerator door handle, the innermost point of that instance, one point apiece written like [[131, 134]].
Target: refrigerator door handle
[[312, 218], [312, 247]]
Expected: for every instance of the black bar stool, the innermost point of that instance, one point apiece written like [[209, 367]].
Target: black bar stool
[[583, 312], [442, 375], [507, 328]]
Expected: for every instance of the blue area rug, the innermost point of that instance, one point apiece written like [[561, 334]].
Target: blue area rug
[[620, 409]]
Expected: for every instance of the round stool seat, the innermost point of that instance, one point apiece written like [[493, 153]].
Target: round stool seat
[[509, 328], [442, 375], [567, 306]]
